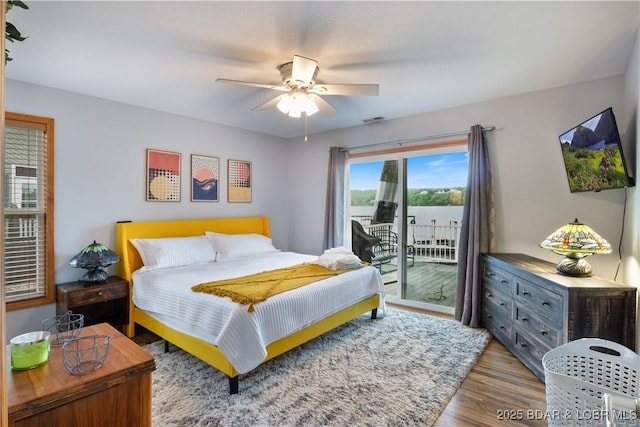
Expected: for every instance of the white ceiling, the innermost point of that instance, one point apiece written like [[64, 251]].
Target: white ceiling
[[425, 55]]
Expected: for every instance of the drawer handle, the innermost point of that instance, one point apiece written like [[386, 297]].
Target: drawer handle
[[490, 274], [501, 326], [544, 333], [524, 319], [504, 281], [502, 304], [489, 294], [100, 293], [545, 303], [522, 344], [525, 293]]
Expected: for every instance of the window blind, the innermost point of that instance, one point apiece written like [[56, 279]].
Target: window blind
[[25, 210]]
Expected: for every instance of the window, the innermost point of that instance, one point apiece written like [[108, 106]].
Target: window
[[28, 211]]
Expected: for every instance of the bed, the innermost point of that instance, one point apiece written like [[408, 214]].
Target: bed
[[231, 338]]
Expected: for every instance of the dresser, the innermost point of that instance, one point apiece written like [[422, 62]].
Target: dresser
[[116, 394], [531, 308]]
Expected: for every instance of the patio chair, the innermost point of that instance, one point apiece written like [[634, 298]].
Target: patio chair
[[387, 249], [361, 242]]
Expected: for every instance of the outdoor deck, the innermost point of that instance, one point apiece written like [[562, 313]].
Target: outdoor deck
[[432, 258], [429, 282]]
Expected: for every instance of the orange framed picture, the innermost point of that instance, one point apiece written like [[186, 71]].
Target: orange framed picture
[[205, 174], [239, 180], [163, 176]]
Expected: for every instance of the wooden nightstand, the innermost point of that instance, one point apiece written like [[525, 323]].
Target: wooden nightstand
[[107, 301], [117, 394]]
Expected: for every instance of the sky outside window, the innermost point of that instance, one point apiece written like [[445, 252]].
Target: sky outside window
[[433, 171]]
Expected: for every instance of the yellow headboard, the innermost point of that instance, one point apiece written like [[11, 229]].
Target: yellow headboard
[[130, 260]]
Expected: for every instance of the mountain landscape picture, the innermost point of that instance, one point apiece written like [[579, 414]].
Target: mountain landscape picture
[[592, 155]]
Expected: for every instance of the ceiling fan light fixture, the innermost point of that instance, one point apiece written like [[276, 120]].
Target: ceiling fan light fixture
[[285, 103], [295, 110], [311, 107], [295, 103]]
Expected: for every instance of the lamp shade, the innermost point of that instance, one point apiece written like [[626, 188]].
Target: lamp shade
[[94, 258], [575, 241]]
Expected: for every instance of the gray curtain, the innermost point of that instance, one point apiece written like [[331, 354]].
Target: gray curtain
[[334, 210], [476, 234]]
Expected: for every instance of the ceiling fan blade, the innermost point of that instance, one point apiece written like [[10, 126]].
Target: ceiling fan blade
[[323, 106], [266, 105], [303, 70], [261, 85], [346, 89]]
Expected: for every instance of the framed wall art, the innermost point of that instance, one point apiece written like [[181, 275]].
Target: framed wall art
[[238, 181], [205, 171], [163, 176]]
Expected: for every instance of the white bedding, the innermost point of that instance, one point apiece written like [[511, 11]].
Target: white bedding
[[242, 335]]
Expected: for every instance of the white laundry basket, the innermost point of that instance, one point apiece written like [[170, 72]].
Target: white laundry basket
[[579, 373]]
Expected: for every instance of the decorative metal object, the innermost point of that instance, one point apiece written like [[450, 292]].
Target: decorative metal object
[[64, 326], [85, 354], [575, 241], [94, 258]]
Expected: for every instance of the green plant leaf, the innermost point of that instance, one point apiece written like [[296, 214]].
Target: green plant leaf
[[19, 4], [12, 33]]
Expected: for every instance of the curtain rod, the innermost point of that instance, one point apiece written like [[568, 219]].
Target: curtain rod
[[421, 138]]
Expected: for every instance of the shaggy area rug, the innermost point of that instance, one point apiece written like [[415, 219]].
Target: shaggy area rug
[[399, 370]]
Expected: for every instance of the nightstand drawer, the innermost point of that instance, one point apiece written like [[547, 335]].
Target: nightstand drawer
[[98, 294]]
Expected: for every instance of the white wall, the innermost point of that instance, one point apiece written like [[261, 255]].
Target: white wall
[[532, 196], [100, 173], [631, 243]]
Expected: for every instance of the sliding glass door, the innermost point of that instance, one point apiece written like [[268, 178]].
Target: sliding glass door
[[409, 206]]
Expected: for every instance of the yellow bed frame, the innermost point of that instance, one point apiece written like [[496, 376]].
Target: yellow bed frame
[[209, 353]]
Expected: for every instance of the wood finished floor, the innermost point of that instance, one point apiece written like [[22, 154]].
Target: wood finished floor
[[498, 391], [498, 386]]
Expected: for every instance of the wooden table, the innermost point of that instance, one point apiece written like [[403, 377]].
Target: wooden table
[[117, 394]]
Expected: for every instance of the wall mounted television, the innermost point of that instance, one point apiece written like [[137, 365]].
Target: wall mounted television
[[593, 156]]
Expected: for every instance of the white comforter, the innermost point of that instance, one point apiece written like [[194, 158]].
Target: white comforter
[[242, 335]]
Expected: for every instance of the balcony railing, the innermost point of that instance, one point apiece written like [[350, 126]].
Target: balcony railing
[[435, 242], [431, 242]]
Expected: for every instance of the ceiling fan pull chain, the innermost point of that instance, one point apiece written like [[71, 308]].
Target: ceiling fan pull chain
[[305, 127]]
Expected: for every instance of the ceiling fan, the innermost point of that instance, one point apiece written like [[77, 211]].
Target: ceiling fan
[[302, 92]]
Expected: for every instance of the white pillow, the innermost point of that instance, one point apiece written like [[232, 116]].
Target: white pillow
[[238, 245], [174, 251]]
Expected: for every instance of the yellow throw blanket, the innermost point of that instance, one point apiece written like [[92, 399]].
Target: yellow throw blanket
[[260, 286]]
